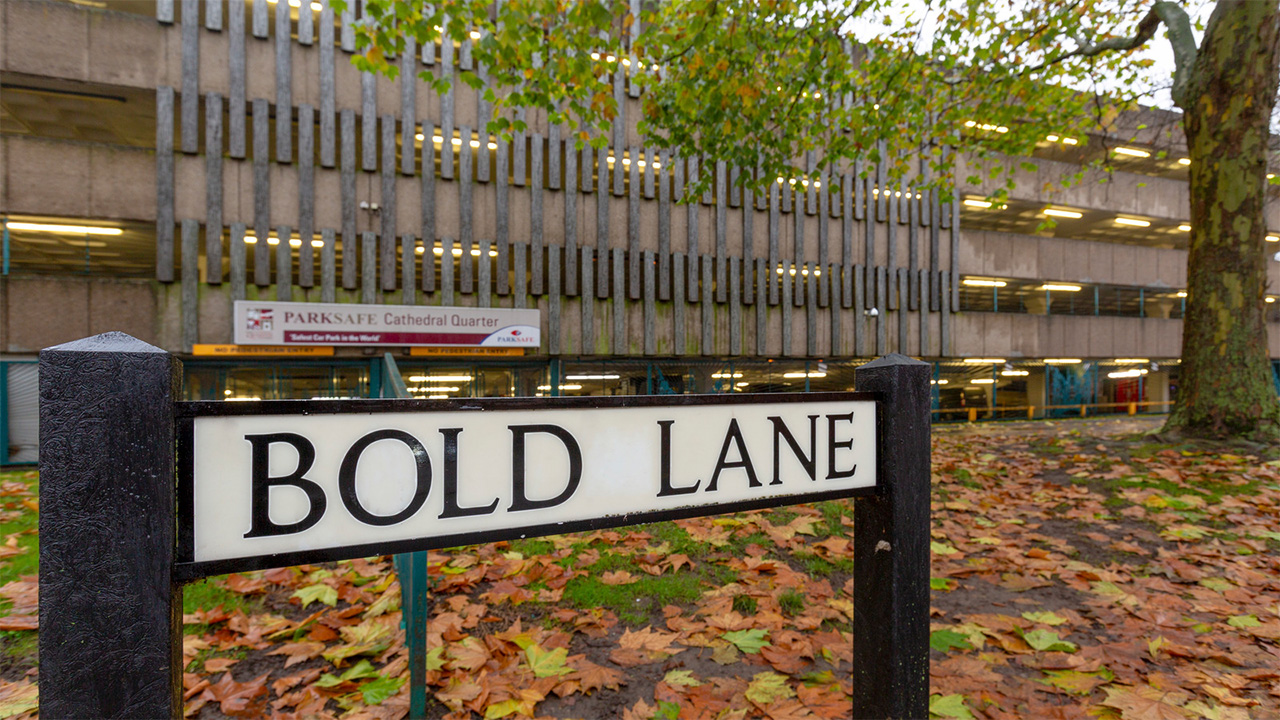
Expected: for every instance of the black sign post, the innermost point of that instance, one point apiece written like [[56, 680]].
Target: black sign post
[[118, 493]]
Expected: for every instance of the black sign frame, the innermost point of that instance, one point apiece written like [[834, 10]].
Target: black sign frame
[[111, 565]]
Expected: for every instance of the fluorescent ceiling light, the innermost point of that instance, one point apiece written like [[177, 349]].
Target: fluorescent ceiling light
[[562, 387], [982, 381], [725, 375], [295, 242], [793, 375], [437, 397], [1062, 361], [975, 282], [984, 204], [1014, 373], [1184, 227], [1132, 222], [1182, 293], [1270, 299], [984, 361], [64, 229], [273, 241], [1060, 287], [1055, 212], [939, 382], [1127, 373], [242, 399], [1070, 141], [434, 389], [440, 378], [317, 243], [419, 250], [1132, 361], [591, 377], [1184, 161], [1132, 152], [1273, 238]]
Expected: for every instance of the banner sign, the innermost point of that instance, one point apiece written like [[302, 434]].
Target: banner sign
[[288, 482], [288, 323]]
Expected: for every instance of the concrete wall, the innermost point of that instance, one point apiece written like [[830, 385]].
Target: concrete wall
[[54, 177], [36, 312]]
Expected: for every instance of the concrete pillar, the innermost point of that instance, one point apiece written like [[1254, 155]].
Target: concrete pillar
[[1036, 394]]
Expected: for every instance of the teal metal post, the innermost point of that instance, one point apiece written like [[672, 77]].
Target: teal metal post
[[4, 409], [4, 228], [415, 585]]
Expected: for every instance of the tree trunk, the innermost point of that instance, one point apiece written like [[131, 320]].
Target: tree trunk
[[1225, 386]]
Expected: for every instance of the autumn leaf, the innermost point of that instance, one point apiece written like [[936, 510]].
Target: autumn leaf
[[379, 689], [1047, 640], [18, 697], [766, 687], [748, 641], [547, 663], [1144, 703], [945, 640], [318, 592], [949, 706]]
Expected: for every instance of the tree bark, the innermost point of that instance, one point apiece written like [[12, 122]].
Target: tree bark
[[1225, 386]]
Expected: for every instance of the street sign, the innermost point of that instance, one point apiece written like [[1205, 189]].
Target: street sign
[[289, 482]]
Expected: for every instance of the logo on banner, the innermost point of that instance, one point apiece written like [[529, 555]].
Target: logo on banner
[[518, 335], [258, 323]]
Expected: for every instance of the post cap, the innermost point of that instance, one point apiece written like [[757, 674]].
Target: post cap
[[113, 341], [890, 360]]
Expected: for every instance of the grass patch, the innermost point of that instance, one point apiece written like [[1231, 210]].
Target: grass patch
[[832, 512], [533, 548], [206, 595], [819, 567], [792, 602], [637, 602], [746, 604]]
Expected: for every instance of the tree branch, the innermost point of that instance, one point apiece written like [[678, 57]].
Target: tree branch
[[1184, 47]]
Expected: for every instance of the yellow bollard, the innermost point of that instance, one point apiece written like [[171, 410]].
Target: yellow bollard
[[973, 414], [1082, 410], [1133, 408], [1031, 412]]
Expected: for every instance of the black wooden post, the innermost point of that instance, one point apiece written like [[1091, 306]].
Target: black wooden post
[[891, 549], [110, 614]]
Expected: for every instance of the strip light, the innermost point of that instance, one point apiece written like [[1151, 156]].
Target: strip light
[[726, 376], [1132, 361], [1133, 222], [984, 204], [591, 377], [982, 381], [1132, 152], [1184, 227], [1127, 373], [1273, 238], [1184, 161], [1015, 373], [1056, 212], [1062, 361], [984, 361], [439, 378], [562, 387], [974, 282], [64, 229], [794, 375], [1060, 287]]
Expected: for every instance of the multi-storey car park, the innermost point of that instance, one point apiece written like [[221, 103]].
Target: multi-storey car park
[[164, 158]]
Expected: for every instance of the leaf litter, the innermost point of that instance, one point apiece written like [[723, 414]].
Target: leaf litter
[[1076, 573]]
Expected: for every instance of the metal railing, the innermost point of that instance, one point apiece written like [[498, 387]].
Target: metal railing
[[1005, 412]]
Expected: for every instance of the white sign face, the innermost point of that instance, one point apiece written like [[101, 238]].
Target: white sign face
[[288, 323], [274, 484]]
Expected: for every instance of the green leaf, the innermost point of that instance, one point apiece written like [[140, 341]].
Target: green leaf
[[767, 687], [1045, 618], [362, 669], [1244, 621], [681, 678], [949, 706], [748, 641], [318, 592], [375, 691], [501, 709], [944, 584], [547, 664], [435, 658], [944, 640], [1048, 641], [941, 548]]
